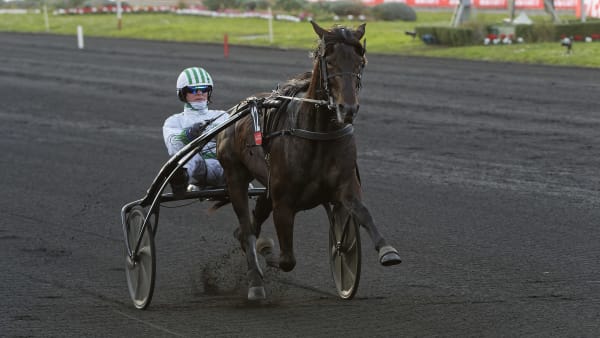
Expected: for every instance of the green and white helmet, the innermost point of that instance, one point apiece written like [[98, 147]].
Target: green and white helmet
[[192, 77]]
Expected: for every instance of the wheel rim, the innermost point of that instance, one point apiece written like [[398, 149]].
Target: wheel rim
[[345, 256], [140, 270]]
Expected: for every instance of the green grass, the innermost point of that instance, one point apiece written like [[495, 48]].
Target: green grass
[[382, 37]]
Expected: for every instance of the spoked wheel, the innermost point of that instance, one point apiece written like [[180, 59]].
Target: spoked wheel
[[140, 269], [345, 255]]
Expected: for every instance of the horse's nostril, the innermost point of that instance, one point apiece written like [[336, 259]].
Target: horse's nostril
[[347, 112]]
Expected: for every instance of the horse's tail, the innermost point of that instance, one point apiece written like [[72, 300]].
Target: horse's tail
[[218, 205]]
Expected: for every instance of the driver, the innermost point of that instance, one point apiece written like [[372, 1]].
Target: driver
[[194, 88]]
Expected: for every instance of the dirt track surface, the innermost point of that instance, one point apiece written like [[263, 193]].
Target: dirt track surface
[[484, 176]]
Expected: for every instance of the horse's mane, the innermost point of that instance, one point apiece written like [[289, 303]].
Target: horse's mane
[[295, 85], [291, 87]]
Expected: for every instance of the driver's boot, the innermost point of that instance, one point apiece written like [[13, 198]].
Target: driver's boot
[[179, 182]]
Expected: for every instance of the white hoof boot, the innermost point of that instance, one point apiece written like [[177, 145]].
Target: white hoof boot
[[256, 293], [389, 256], [264, 246]]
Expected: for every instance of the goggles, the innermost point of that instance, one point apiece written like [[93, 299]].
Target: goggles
[[198, 89]]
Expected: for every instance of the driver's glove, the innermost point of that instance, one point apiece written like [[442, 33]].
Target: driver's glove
[[194, 131]]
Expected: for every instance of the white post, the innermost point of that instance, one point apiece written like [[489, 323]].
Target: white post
[[80, 37], [270, 25], [462, 13], [583, 10], [119, 14], [549, 8], [46, 18]]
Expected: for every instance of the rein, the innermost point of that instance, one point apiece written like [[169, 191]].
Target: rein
[[317, 102]]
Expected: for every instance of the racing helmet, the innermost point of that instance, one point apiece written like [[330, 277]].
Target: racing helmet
[[193, 77]]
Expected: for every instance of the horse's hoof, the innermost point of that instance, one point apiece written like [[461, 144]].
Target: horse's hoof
[[264, 246], [287, 264], [389, 256], [256, 293]]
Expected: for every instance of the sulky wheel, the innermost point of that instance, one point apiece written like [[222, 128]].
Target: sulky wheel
[[140, 269], [345, 255]]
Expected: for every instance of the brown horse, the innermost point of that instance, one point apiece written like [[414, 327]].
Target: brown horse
[[309, 153]]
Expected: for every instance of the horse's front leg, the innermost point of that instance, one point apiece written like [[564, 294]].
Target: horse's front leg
[[388, 255], [283, 217]]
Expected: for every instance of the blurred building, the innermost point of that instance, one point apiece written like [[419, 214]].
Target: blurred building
[[163, 2]]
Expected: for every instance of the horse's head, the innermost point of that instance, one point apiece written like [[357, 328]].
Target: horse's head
[[341, 59]]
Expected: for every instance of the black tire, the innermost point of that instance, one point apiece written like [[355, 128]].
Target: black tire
[[141, 269], [345, 255]]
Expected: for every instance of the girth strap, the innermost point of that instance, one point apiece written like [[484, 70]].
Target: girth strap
[[313, 135]]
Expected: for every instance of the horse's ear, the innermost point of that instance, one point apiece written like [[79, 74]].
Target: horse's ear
[[360, 31], [320, 31]]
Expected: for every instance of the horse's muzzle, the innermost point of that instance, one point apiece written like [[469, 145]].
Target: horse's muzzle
[[347, 112]]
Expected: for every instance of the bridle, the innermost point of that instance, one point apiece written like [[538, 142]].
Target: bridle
[[323, 69], [324, 83]]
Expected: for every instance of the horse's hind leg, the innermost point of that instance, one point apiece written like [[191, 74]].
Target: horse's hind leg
[[388, 255], [262, 211], [264, 245], [238, 178], [238, 194]]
